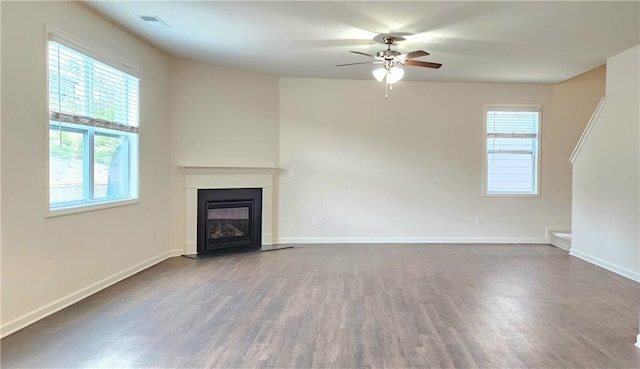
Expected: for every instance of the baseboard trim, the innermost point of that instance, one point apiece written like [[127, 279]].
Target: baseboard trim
[[267, 239], [53, 307], [173, 253], [190, 248], [638, 341], [307, 240], [606, 265]]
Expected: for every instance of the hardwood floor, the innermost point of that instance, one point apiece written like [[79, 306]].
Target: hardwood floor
[[349, 306]]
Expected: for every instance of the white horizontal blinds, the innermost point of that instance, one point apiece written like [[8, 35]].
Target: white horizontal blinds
[[86, 91], [512, 150]]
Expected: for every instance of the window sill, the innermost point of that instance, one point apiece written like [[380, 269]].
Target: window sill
[[93, 207], [511, 195]]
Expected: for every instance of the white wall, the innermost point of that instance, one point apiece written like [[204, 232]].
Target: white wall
[[605, 176], [50, 262], [223, 117], [574, 101], [0, 160], [406, 169], [623, 73], [219, 117]]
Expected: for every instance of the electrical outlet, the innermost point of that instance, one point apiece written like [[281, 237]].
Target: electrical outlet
[[478, 220], [317, 221], [153, 236]]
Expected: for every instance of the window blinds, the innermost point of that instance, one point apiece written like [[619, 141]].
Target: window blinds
[[87, 91], [512, 123], [512, 150]]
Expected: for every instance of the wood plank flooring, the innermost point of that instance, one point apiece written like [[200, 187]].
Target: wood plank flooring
[[349, 306]]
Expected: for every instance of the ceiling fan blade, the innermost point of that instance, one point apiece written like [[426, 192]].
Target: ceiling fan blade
[[414, 54], [417, 63], [342, 65], [365, 54]]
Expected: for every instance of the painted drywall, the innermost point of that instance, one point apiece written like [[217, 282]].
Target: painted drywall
[[407, 168], [573, 101], [219, 117], [605, 175], [0, 157], [223, 117], [49, 262], [622, 73]]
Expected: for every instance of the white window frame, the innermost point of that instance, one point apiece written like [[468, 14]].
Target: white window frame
[[89, 132], [485, 166]]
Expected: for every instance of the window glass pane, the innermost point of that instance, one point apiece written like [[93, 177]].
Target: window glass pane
[[97, 106], [510, 172], [108, 101], [512, 121], [80, 85], [110, 166], [512, 150], [66, 166], [499, 143], [67, 88]]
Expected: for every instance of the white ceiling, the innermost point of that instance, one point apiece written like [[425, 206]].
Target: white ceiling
[[513, 41]]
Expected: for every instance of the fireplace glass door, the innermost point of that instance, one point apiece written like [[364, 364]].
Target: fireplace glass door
[[228, 224], [229, 220]]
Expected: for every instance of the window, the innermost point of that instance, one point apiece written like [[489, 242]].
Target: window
[[93, 128], [511, 161]]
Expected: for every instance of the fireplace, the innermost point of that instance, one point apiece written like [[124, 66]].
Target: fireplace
[[207, 177], [229, 220]]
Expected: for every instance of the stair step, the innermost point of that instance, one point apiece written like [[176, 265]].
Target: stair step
[[560, 239], [563, 235]]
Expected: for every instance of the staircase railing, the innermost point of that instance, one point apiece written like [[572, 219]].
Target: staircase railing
[[587, 130]]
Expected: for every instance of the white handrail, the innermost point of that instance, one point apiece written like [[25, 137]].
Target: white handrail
[[587, 130]]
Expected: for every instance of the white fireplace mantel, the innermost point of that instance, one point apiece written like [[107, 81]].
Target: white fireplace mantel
[[194, 170], [203, 177]]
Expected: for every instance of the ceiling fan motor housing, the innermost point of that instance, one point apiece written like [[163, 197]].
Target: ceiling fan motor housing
[[387, 54]]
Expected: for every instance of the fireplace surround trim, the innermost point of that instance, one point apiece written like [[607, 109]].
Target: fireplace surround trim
[[204, 170], [204, 177]]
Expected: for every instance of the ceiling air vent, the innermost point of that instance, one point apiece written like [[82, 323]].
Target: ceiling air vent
[[153, 21]]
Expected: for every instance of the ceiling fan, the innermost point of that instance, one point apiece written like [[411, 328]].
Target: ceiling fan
[[391, 59]]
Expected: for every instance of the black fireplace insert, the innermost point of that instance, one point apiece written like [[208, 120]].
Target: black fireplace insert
[[229, 220]]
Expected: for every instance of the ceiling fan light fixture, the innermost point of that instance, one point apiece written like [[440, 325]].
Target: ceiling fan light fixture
[[394, 75], [379, 74]]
